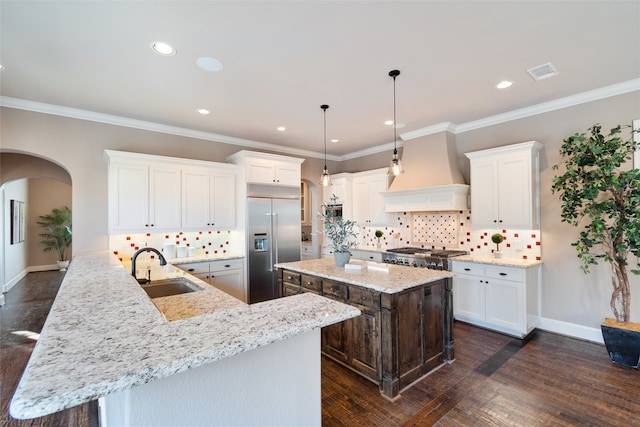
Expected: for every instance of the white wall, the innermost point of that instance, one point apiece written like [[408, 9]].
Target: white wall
[[15, 256]]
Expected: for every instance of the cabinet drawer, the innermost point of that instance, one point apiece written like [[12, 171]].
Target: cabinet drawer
[[194, 267], [365, 297], [505, 273], [334, 289], [290, 289], [290, 277], [229, 264], [311, 282], [469, 268]]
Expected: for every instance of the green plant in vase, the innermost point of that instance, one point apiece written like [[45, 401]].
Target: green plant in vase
[[342, 233], [378, 234], [497, 238]]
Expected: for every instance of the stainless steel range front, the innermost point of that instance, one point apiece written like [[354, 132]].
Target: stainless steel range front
[[433, 259]]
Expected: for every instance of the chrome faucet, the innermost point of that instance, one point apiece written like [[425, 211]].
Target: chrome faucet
[[163, 261]]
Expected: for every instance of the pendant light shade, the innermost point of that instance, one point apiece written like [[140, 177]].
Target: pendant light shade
[[325, 179], [395, 166]]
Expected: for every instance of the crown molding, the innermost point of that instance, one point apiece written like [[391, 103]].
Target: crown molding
[[569, 101], [76, 113], [429, 130]]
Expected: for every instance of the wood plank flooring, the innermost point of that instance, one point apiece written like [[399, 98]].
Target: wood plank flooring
[[495, 380]]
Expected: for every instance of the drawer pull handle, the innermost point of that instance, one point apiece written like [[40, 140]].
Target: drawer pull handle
[[427, 291], [227, 265], [467, 269], [503, 274], [191, 269]]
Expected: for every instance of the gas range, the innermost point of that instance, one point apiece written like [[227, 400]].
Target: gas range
[[433, 259]]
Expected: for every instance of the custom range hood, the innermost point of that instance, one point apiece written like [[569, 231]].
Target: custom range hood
[[432, 180]]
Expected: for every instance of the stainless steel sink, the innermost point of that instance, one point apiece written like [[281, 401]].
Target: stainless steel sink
[[169, 287]]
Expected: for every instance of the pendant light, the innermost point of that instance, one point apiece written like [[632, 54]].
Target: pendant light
[[325, 179], [395, 166]]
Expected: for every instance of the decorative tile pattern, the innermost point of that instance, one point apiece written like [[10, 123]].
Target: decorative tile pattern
[[436, 231], [210, 243]]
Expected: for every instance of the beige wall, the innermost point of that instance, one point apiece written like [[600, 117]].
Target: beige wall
[[44, 195], [568, 295]]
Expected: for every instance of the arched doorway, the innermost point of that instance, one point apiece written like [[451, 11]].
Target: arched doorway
[[39, 185]]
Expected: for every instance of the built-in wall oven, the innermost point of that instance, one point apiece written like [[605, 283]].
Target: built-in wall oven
[[434, 259], [333, 211]]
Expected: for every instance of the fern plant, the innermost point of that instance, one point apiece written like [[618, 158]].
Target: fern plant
[[603, 198]]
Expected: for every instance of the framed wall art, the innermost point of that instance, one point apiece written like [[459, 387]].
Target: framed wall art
[[17, 222]]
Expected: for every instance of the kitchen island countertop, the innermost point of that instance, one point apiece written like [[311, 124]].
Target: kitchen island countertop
[[380, 277], [105, 335]]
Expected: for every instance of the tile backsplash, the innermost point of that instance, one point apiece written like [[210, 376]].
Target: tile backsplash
[[451, 230], [204, 242]]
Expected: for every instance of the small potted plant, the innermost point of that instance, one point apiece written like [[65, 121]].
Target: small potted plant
[[57, 235], [497, 239], [602, 197], [378, 236], [342, 233]]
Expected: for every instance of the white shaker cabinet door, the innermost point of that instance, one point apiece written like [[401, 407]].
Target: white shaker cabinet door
[[129, 197], [165, 198], [505, 304], [469, 298], [195, 204], [223, 201]]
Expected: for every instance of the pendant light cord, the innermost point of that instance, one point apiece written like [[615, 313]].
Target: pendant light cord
[[394, 74], [324, 108]]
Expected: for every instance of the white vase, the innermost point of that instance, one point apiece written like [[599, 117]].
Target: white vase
[[497, 254], [63, 265], [341, 258]]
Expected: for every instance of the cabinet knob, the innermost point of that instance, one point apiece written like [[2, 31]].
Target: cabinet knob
[[152, 225], [467, 269]]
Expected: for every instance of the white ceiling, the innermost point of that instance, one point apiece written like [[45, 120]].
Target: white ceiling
[[283, 59]]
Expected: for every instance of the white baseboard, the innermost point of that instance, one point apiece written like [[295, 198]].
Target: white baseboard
[[35, 268], [571, 329], [11, 283]]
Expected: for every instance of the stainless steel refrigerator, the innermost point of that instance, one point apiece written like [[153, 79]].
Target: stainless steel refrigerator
[[273, 233]]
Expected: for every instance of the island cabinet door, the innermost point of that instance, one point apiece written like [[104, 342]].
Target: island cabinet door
[[433, 315], [365, 347], [335, 338], [410, 332]]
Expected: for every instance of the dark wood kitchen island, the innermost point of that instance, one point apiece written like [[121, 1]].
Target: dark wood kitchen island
[[405, 330]]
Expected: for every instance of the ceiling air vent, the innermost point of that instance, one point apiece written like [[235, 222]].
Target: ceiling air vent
[[542, 72]]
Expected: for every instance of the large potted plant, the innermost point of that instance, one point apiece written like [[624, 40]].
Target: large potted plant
[[343, 233], [600, 193], [57, 234]]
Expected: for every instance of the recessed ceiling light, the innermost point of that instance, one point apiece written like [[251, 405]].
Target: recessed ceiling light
[[209, 64], [335, 140], [282, 128], [388, 122], [163, 48], [1, 67], [504, 84], [203, 111]]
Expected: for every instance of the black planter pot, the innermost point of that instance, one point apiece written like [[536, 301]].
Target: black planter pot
[[623, 342]]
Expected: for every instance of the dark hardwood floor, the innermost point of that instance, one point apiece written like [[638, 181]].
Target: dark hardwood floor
[[494, 381]]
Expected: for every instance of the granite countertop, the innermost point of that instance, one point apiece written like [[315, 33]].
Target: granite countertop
[[505, 262], [104, 334], [380, 277]]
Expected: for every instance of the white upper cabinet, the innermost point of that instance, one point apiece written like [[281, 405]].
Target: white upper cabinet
[[208, 198], [368, 202], [505, 186], [154, 193], [144, 198], [340, 187], [263, 168]]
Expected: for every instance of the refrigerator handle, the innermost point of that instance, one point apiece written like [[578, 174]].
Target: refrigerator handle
[[274, 226]]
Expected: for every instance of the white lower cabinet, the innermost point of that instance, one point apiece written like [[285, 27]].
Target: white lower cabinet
[[306, 252], [226, 275], [505, 299], [366, 255]]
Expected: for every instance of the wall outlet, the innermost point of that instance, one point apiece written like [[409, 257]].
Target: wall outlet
[[517, 244]]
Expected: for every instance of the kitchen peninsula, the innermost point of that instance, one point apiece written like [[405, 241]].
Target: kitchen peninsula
[[404, 330], [105, 339]]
